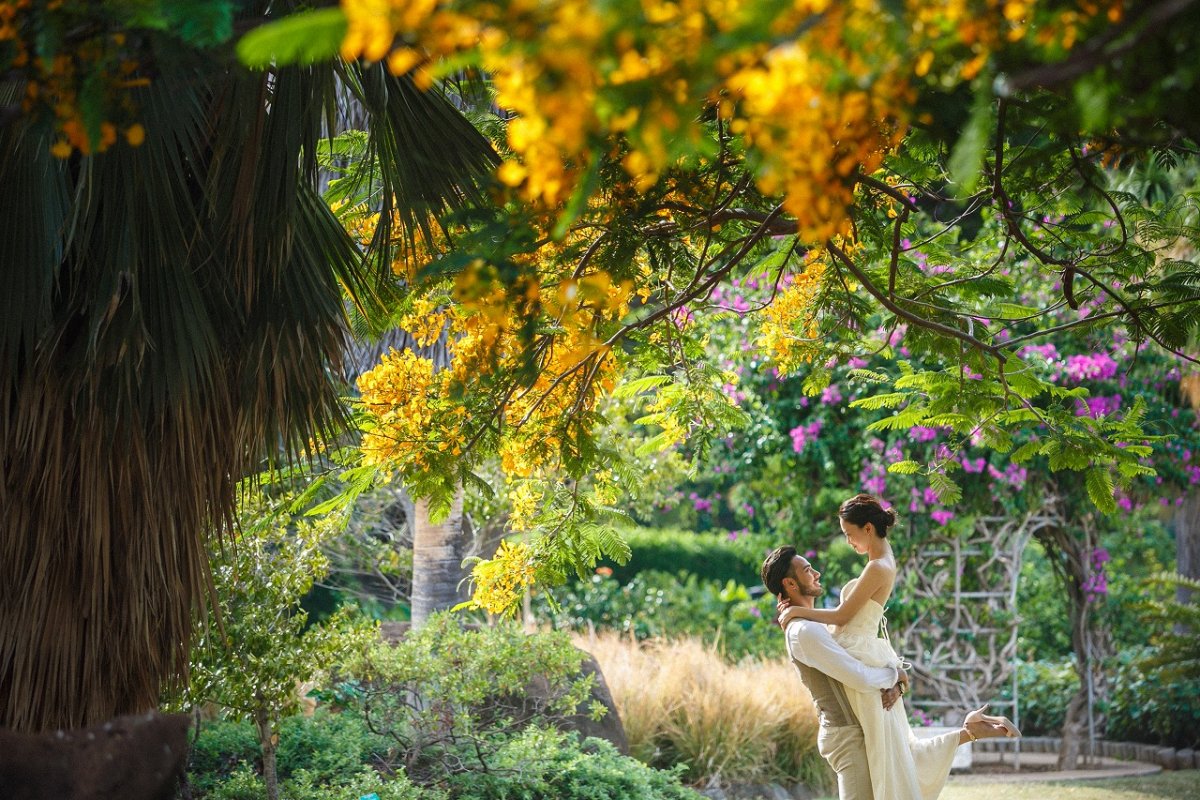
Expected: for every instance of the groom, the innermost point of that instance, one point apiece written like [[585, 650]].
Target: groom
[[826, 668]]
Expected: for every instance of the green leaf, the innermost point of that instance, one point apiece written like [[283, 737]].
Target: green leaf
[[1100, 489], [1092, 96], [1025, 452], [303, 38], [966, 161], [878, 401], [948, 491], [905, 419], [636, 387], [867, 375], [203, 23], [816, 382], [905, 467]]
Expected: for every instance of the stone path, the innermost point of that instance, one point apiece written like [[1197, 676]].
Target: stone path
[[1105, 768]]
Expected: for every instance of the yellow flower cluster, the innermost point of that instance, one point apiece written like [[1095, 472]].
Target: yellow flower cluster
[[498, 584], [54, 84], [421, 419], [424, 322], [815, 128], [576, 74], [789, 332], [525, 497], [411, 422], [969, 32]]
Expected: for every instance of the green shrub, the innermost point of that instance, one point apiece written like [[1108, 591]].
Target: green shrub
[[543, 764], [222, 748], [326, 745], [449, 697], [1148, 704], [245, 784], [323, 746], [241, 784], [1141, 704], [1046, 687], [658, 605]]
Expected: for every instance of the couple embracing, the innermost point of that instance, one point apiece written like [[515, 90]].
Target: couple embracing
[[853, 674]]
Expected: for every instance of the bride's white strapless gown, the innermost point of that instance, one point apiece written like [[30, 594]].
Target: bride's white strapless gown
[[902, 766]]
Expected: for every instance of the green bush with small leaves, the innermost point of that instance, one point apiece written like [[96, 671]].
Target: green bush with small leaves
[[323, 746], [544, 764], [245, 784], [449, 698]]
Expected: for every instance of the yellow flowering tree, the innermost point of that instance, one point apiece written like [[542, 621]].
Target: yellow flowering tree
[[654, 151]]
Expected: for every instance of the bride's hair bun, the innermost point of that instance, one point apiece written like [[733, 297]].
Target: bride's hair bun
[[863, 508]]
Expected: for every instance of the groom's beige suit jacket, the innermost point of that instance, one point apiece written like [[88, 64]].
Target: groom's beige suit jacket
[[826, 669]]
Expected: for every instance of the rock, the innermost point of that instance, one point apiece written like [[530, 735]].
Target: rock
[[801, 791], [128, 758], [1165, 758], [1187, 758], [607, 727]]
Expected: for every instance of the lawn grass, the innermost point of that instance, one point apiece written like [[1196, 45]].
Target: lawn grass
[[1181, 785]]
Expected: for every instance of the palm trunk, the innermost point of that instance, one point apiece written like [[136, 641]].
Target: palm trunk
[[438, 552]]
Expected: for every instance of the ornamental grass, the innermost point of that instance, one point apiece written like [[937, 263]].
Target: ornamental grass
[[682, 703]]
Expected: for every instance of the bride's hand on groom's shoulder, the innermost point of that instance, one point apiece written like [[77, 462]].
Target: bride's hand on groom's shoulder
[[782, 607]]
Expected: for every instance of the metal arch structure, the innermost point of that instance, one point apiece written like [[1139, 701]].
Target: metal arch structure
[[962, 641]]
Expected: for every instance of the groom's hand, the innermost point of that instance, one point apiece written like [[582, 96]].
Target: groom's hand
[[890, 696]]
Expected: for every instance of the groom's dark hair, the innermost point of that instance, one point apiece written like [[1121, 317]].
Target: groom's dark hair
[[776, 567]]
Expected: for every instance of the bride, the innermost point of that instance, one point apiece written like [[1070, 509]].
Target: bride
[[902, 767]]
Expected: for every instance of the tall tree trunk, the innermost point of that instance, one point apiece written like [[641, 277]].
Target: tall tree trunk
[[270, 745], [1068, 551], [438, 552], [1187, 541]]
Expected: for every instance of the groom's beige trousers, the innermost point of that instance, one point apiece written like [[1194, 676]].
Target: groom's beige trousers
[[843, 748], [839, 736]]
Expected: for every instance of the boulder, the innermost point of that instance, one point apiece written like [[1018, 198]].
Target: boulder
[[128, 758], [608, 727]]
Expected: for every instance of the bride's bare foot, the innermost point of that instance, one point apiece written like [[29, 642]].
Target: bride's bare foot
[[987, 726]]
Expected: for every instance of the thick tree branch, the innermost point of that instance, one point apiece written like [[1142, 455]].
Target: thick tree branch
[[1141, 24], [915, 319]]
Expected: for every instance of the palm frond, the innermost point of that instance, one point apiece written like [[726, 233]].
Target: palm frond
[[173, 318]]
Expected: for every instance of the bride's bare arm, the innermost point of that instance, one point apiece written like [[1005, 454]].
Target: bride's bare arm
[[874, 577]]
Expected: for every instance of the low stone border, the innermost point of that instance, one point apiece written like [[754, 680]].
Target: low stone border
[[1165, 757], [1040, 768], [1118, 760]]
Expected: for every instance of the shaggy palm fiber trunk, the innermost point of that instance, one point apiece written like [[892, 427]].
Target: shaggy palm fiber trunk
[[102, 559]]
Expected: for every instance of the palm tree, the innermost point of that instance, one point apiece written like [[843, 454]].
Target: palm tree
[[172, 321]]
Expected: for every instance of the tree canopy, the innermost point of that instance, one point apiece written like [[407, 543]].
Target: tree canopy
[[878, 165]]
